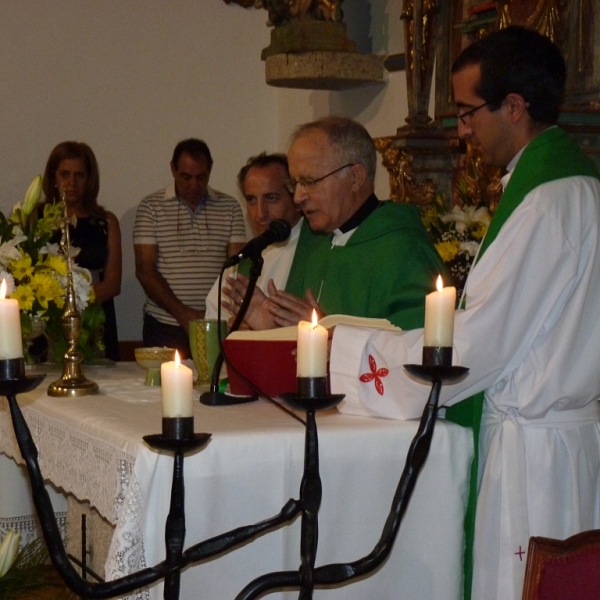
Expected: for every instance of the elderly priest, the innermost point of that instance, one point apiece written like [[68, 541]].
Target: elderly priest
[[356, 255]]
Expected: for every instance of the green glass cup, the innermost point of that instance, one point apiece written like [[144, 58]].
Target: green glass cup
[[204, 344]]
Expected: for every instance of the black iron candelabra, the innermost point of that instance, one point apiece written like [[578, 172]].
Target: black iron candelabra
[[178, 439]]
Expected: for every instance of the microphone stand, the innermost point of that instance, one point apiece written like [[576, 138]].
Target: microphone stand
[[214, 397]]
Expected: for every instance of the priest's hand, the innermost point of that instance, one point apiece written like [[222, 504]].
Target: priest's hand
[[288, 309], [258, 315]]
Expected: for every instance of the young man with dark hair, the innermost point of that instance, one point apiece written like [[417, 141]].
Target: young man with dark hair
[[529, 331]]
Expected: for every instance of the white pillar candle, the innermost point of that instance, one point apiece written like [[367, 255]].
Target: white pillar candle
[[11, 345], [311, 355], [177, 384], [439, 316]]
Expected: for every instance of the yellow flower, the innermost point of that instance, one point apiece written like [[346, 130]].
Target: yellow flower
[[50, 221], [448, 250], [57, 263], [47, 289], [22, 267], [429, 216], [24, 294], [479, 230]]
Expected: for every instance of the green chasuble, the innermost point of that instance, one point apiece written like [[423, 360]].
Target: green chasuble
[[385, 269], [550, 156]]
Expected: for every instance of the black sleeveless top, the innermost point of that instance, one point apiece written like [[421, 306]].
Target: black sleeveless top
[[91, 236]]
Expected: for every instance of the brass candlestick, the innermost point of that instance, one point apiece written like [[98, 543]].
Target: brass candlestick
[[73, 382]]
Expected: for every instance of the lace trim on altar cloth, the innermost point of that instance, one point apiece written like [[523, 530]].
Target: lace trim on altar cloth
[[29, 527], [126, 554], [73, 460], [102, 475]]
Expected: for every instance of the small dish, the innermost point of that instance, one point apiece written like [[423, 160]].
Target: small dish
[[151, 359]]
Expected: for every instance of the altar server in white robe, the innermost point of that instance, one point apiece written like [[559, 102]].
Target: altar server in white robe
[[530, 329]]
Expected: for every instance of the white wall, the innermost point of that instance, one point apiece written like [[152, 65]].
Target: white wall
[[381, 108], [133, 77]]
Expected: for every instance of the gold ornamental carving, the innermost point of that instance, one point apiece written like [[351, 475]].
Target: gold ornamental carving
[[403, 185], [482, 182]]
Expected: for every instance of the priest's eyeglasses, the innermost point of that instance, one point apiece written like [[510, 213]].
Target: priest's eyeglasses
[[308, 183], [470, 112]]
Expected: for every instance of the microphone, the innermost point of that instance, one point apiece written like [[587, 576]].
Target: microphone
[[277, 231]]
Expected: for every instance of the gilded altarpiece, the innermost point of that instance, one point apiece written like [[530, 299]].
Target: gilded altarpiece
[[425, 157]]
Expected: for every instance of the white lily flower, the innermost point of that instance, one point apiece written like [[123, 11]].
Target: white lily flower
[[9, 250], [56, 250], [17, 231], [463, 218], [8, 551], [469, 247], [32, 195]]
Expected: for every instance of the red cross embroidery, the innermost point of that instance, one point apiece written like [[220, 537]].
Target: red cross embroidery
[[375, 374]]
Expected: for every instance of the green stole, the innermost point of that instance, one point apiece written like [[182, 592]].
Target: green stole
[[549, 156]]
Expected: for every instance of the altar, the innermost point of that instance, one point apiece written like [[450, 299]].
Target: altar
[[92, 449]]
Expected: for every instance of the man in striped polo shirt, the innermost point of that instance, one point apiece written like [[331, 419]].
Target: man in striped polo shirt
[[182, 236]]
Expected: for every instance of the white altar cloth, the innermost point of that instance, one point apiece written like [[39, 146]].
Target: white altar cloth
[[92, 447]]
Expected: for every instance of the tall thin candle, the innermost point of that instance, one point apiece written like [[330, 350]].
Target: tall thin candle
[[11, 345]]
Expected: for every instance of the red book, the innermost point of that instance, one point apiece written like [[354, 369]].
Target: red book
[[269, 364]]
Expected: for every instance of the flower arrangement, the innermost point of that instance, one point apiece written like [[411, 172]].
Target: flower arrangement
[[457, 232], [36, 271]]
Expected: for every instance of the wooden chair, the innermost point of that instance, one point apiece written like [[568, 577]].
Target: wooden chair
[[563, 569]]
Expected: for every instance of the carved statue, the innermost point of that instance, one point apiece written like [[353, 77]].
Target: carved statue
[[545, 16], [419, 42], [549, 18], [282, 11]]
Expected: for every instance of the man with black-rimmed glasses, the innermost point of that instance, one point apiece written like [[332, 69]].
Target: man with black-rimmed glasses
[[529, 330]]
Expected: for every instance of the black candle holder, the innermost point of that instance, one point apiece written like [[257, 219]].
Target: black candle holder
[[311, 387], [437, 373], [307, 577], [12, 368], [177, 428], [310, 487], [440, 356], [179, 438]]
